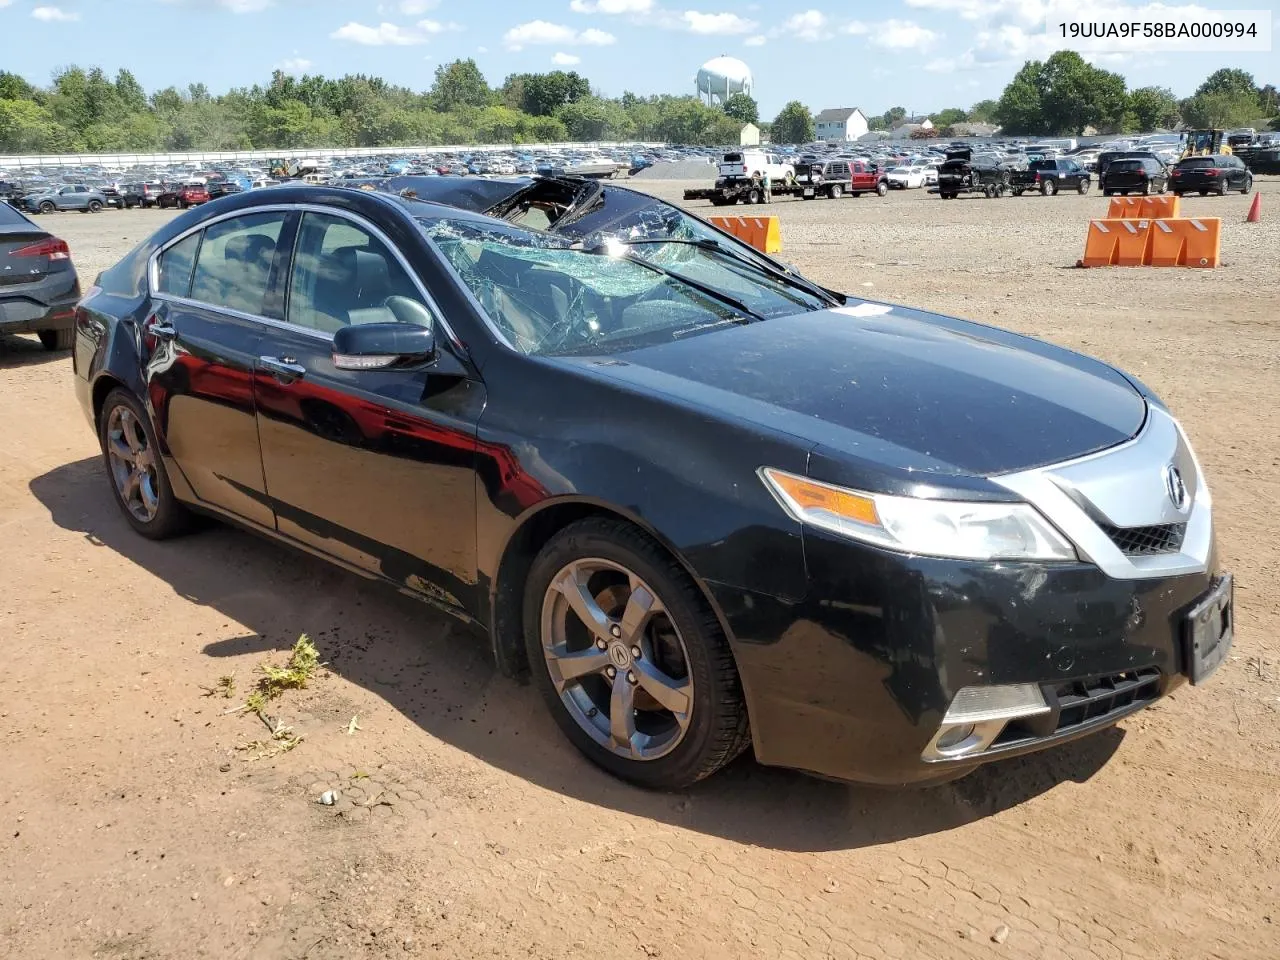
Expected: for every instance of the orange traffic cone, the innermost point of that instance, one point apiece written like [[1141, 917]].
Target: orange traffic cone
[[1255, 209]]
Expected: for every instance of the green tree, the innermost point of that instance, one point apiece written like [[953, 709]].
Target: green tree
[[542, 94], [876, 123], [1269, 100], [129, 92], [984, 111], [1227, 80], [948, 117], [14, 87], [1062, 95], [1153, 107], [742, 107], [894, 116], [1019, 109], [793, 124], [1224, 108], [460, 84], [27, 127]]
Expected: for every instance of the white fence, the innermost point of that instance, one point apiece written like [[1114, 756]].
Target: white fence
[[124, 160]]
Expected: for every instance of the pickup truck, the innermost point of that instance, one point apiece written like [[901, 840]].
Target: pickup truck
[[835, 178], [1050, 176]]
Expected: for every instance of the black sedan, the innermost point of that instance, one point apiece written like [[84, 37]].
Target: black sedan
[[38, 283], [705, 503], [1217, 174]]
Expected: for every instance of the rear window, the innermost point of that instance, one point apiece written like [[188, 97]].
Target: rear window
[[1044, 165], [733, 158], [1198, 162], [1122, 166]]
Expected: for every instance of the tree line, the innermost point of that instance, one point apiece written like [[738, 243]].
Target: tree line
[[85, 110]]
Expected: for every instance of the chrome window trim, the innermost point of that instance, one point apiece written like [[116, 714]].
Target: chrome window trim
[[1160, 441], [153, 268]]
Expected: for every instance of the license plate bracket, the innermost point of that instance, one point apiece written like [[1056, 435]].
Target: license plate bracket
[[1208, 629]]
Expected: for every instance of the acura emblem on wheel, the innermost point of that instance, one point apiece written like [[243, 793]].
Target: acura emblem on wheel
[[1176, 488]]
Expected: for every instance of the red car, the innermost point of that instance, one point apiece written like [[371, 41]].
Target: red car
[[183, 195]]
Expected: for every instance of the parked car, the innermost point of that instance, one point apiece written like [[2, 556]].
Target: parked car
[[905, 178], [70, 197], [748, 164], [953, 544], [183, 195], [1143, 176], [38, 283], [142, 195], [222, 188], [1219, 173], [962, 172], [1050, 176]]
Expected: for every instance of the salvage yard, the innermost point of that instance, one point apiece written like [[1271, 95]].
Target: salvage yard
[[142, 816]]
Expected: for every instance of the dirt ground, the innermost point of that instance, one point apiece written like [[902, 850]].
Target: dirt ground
[[132, 827]]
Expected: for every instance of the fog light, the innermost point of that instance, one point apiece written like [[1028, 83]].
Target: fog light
[[949, 739]]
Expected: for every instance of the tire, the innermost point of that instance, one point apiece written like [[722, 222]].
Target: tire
[[1107, 193], [1048, 187], [1222, 187], [753, 196], [182, 204], [48, 206], [1082, 187], [95, 206], [1017, 191], [715, 726], [989, 191], [56, 340], [1178, 193], [1248, 185], [837, 191], [882, 188], [170, 517], [1204, 193]]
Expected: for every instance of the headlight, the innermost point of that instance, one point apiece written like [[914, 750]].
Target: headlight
[[936, 528]]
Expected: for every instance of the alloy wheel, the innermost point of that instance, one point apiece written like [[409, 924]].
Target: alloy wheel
[[133, 464], [616, 659]]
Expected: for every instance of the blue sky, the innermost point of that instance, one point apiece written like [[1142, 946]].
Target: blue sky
[[920, 54]]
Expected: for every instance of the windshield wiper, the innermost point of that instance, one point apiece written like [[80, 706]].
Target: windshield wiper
[[710, 291], [708, 243]]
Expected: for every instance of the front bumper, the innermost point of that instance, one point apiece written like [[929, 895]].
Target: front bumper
[[854, 682]]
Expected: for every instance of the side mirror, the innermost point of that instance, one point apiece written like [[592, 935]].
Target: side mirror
[[380, 346]]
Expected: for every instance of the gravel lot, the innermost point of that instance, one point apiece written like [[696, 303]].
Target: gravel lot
[[134, 828]]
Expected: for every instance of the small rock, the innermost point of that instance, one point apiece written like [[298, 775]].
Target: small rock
[[1001, 934], [408, 943], [650, 951], [328, 798], [195, 896], [229, 881], [225, 767], [831, 887]]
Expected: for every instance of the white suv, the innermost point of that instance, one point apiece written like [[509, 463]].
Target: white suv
[[755, 163]]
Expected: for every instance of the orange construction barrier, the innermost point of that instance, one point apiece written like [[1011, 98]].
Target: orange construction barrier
[[1191, 242], [1143, 208], [762, 233], [1117, 243]]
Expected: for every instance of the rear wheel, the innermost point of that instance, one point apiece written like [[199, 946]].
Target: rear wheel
[[1017, 192], [990, 191], [753, 196], [57, 339], [837, 191], [1248, 184], [1048, 187], [630, 659], [1222, 187], [48, 206], [136, 471]]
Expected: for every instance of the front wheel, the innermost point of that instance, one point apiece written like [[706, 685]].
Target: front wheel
[[753, 196], [47, 207], [837, 191], [95, 206], [136, 471], [630, 658], [882, 188], [1082, 187], [1017, 192], [53, 340], [1248, 185]]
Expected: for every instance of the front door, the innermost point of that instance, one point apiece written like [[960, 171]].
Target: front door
[[213, 289], [373, 467]]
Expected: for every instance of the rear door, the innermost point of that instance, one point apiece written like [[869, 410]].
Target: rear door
[[216, 290], [375, 468]]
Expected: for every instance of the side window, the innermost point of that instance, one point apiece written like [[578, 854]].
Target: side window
[[234, 266], [174, 274], [342, 275]]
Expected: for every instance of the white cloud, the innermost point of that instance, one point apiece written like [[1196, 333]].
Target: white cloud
[[415, 8], [902, 35], [857, 28], [758, 40], [612, 7], [716, 24], [383, 35], [54, 15], [235, 6], [541, 32], [565, 59], [810, 25], [294, 64], [482, 49]]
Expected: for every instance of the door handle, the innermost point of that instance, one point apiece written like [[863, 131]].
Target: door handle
[[162, 330], [283, 368]]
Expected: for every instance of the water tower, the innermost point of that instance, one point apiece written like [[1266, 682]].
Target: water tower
[[721, 78]]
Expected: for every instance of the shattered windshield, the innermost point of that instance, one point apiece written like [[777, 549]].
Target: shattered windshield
[[550, 296]]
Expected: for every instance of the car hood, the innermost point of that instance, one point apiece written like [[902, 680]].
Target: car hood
[[899, 388]]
